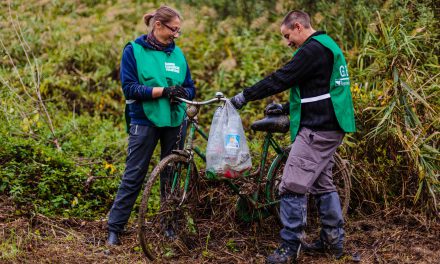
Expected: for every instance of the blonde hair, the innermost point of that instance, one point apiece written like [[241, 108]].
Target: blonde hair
[[163, 14]]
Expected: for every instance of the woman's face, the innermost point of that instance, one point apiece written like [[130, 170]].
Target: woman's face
[[167, 32]]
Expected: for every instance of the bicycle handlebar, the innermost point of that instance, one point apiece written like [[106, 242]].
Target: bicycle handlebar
[[218, 98]]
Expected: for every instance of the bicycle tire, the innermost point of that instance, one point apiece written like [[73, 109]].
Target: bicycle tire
[[173, 210]]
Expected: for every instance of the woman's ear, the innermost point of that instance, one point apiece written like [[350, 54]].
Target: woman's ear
[[157, 24]]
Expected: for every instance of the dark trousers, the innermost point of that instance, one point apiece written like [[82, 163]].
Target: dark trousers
[[293, 214], [309, 170], [141, 144]]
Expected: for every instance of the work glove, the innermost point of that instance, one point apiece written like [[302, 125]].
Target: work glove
[[175, 91], [181, 92], [168, 91], [238, 101], [273, 109], [277, 109]]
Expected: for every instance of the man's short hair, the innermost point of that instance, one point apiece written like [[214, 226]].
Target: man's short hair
[[297, 16]]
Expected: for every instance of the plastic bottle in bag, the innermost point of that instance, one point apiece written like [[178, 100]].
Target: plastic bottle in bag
[[232, 142], [227, 153], [216, 147], [216, 117]]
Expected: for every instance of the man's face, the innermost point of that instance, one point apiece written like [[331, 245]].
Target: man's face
[[291, 35]]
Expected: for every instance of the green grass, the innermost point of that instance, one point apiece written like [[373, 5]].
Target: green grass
[[62, 141]]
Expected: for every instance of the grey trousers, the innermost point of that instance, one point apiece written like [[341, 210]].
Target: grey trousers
[[141, 144], [310, 162], [309, 169]]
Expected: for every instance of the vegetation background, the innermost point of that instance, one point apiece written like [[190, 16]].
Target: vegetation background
[[62, 131]]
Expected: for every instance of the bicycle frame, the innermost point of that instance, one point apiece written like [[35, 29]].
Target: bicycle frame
[[269, 142], [255, 202]]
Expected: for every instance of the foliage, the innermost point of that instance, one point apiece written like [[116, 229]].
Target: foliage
[[79, 180], [396, 67], [60, 87]]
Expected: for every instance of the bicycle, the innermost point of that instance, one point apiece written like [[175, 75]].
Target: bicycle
[[171, 191]]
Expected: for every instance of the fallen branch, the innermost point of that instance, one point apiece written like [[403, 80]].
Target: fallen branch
[[47, 221]]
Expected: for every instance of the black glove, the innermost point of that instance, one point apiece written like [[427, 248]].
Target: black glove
[[167, 91], [238, 101], [175, 91], [277, 109], [181, 92], [273, 109], [286, 109]]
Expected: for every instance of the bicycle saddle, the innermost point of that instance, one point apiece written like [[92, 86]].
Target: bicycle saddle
[[272, 123]]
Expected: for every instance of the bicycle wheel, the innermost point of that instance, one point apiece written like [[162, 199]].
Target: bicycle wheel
[[165, 220], [273, 182], [341, 178]]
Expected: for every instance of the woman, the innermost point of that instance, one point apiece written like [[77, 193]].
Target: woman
[[153, 71]]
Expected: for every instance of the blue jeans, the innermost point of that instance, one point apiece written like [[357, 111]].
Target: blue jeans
[[293, 214], [141, 144]]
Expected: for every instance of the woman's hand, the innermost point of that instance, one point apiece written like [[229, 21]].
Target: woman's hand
[[175, 91]]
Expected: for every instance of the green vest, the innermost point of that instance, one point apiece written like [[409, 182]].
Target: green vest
[[160, 69], [339, 91]]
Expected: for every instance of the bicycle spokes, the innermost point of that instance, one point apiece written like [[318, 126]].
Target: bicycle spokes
[[165, 214]]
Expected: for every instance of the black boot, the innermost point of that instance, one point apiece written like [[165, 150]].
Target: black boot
[[113, 239], [314, 247], [170, 233], [284, 254], [319, 247], [168, 226]]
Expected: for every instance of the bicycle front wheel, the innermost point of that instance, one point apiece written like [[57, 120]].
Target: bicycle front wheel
[[166, 224]]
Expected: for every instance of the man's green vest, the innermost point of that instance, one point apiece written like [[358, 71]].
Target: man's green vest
[[161, 69], [339, 92]]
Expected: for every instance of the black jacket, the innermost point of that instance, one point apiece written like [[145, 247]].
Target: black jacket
[[311, 69]]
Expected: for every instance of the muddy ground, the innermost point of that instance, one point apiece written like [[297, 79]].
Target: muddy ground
[[393, 237]]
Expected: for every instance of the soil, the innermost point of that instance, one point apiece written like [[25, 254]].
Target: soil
[[395, 236]]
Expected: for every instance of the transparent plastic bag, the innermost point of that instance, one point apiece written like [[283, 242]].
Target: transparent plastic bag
[[227, 153]]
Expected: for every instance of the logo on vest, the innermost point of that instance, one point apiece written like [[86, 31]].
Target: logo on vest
[[171, 67], [344, 80]]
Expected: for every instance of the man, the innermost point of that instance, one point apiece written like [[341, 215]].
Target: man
[[321, 112]]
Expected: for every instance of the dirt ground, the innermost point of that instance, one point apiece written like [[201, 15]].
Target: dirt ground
[[395, 237]]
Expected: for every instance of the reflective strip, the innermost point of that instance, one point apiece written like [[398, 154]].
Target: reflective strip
[[130, 101], [316, 98]]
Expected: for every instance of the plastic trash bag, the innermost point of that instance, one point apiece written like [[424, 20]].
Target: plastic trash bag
[[227, 153]]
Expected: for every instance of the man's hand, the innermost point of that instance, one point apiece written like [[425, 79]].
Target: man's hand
[[238, 101], [273, 109], [277, 109]]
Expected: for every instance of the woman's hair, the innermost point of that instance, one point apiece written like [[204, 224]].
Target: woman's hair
[[163, 14], [297, 16]]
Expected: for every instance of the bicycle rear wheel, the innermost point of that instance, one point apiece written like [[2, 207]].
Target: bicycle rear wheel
[[165, 219], [341, 178]]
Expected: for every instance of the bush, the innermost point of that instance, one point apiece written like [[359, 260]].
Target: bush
[[60, 87]]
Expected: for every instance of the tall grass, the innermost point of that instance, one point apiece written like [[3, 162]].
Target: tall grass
[[391, 48], [398, 65]]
